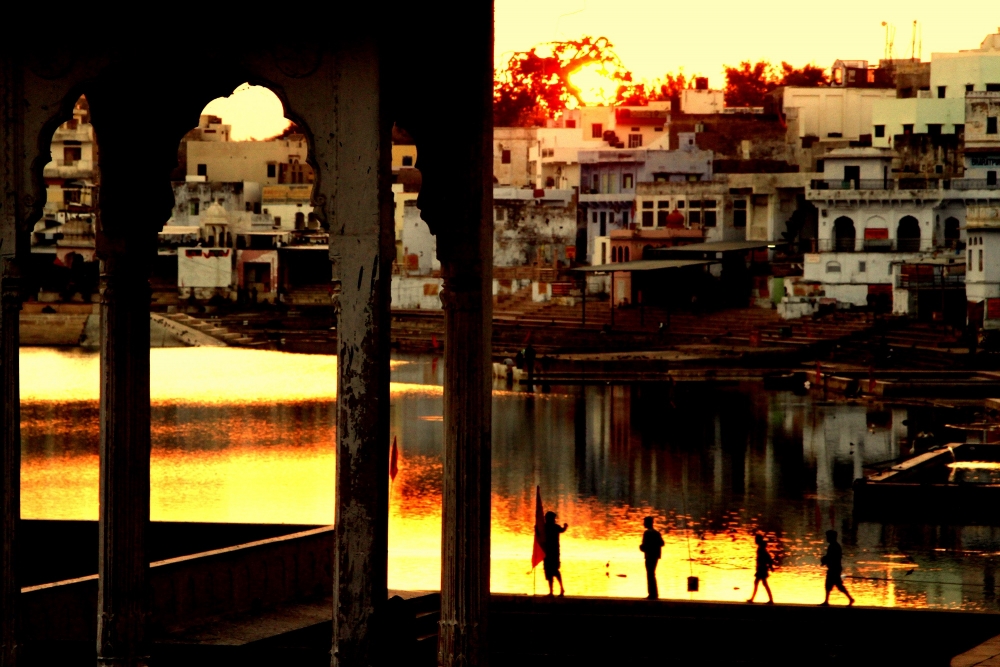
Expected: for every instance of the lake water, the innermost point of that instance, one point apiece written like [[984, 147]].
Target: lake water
[[248, 436]]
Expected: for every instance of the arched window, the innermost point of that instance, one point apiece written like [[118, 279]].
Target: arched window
[[833, 267], [626, 254], [844, 234], [908, 235], [951, 232]]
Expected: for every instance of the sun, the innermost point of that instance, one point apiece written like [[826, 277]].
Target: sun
[[594, 83]]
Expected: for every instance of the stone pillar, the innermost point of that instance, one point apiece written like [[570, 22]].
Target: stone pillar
[[456, 200], [124, 449], [10, 460], [362, 247], [133, 204], [11, 198]]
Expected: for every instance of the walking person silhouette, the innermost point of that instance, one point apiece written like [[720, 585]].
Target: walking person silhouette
[[652, 547], [765, 565], [834, 566], [551, 562]]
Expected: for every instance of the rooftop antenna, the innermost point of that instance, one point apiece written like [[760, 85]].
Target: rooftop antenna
[[920, 44], [913, 42], [890, 37]]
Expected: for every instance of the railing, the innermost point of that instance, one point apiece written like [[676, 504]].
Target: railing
[[974, 184], [850, 244], [936, 280], [876, 184]]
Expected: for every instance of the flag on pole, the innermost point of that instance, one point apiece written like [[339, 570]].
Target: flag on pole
[[538, 553], [393, 458]]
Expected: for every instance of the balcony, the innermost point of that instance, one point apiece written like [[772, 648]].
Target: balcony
[[850, 244], [974, 184], [876, 184]]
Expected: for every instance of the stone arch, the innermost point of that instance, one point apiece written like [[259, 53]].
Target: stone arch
[[844, 234], [908, 234]]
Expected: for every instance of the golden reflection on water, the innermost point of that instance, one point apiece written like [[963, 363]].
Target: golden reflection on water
[[248, 436]]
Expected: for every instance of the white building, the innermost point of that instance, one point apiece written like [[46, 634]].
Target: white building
[[941, 110], [982, 277], [868, 225], [832, 113]]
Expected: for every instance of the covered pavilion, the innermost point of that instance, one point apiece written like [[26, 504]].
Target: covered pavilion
[[345, 84]]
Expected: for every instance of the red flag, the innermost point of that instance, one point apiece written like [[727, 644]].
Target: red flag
[[393, 457], [538, 553]]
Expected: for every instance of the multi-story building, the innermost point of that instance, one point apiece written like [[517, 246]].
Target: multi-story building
[[609, 179], [871, 223], [941, 108]]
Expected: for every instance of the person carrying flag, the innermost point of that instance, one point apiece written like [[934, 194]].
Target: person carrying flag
[[552, 564]]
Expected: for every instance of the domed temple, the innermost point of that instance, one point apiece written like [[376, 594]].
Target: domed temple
[[345, 83]]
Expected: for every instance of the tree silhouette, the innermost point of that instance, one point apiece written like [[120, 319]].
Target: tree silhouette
[[667, 88], [749, 84], [535, 85]]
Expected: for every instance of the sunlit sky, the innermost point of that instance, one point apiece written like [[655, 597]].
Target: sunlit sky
[[653, 37]]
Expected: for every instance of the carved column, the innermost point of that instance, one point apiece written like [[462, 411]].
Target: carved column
[[12, 197], [133, 204], [10, 451], [456, 200], [362, 248]]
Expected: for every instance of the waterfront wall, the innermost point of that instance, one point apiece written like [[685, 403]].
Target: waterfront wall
[[192, 588]]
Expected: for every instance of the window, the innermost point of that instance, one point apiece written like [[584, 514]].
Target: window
[[647, 218], [980, 259], [908, 128], [71, 196], [993, 87], [970, 259], [277, 221], [941, 90], [72, 155], [634, 140], [862, 267], [625, 219], [570, 124], [504, 158], [661, 217], [626, 254], [203, 170], [627, 182], [663, 203], [604, 224], [991, 125], [501, 214], [272, 170], [959, 128], [647, 204], [969, 87], [991, 178], [596, 131], [710, 218], [256, 207], [597, 183], [658, 129], [934, 129], [408, 159], [193, 206], [680, 203], [739, 213], [820, 166], [833, 267], [72, 124], [594, 217], [880, 130]]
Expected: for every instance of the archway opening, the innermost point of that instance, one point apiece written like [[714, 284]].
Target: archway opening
[[952, 232], [908, 234], [844, 234]]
